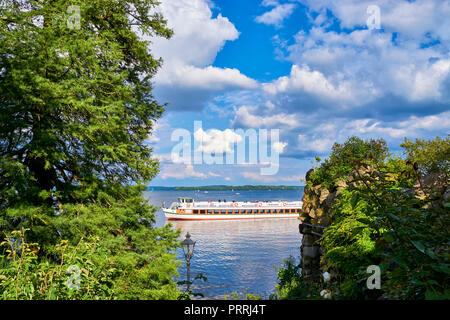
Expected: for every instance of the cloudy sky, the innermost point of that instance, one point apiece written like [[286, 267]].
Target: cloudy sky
[[315, 70]]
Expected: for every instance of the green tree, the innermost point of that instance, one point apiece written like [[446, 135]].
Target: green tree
[[346, 157], [431, 156], [391, 212], [76, 106]]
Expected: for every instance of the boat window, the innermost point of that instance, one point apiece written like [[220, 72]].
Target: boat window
[[269, 210], [237, 211], [195, 211], [209, 211], [223, 211], [298, 210], [262, 211], [202, 211], [216, 211], [230, 211], [275, 210]]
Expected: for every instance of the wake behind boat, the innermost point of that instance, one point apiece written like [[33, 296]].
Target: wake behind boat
[[189, 209]]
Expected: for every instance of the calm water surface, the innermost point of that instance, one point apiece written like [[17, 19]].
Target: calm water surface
[[235, 255]]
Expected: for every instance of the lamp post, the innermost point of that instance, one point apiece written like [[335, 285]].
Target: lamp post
[[188, 250]]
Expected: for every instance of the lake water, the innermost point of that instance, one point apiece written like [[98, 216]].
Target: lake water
[[235, 255]]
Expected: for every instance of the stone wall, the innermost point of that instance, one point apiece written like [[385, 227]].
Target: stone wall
[[315, 217], [316, 213]]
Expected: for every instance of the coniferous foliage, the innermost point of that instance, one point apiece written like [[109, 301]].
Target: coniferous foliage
[[76, 106]]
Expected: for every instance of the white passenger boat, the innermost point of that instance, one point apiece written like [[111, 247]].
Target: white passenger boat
[[188, 209]]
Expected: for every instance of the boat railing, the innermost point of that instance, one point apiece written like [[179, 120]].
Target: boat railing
[[246, 205]]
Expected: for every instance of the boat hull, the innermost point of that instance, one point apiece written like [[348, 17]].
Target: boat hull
[[170, 215]]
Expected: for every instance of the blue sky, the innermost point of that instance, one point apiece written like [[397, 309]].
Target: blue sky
[[318, 71]]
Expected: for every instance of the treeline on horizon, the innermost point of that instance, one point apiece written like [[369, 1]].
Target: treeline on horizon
[[226, 188]]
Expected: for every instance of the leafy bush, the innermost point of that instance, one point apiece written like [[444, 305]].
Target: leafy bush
[[385, 217], [431, 156], [80, 274], [379, 220], [344, 157], [290, 284]]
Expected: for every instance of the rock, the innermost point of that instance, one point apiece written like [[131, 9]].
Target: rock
[[302, 217], [447, 195], [323, 195], [310, 251], [341, 184], [306, 190], [329, 201], [323, 221], [433, 184], [308, 174], [319, 212]]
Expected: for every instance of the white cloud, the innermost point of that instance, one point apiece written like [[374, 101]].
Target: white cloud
[[361, 66], [216, 141], [320, 145], [279, 146], [207, 78], [256, 176], [246, 117], [276, 15], [197, 35], [304, 80], [427, 81], [187, 78], [433, 122], [413, 19], [321, 138], [180, 172], [269, 3]]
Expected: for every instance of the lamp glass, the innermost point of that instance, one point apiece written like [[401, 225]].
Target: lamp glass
[[188, 246]]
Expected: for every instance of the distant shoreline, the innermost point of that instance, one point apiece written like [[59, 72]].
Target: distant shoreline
[[225, 188]]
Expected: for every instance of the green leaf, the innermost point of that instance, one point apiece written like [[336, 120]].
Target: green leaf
[[419, 246], [430, 253], [388, 237], [441, 267], [431, 295]]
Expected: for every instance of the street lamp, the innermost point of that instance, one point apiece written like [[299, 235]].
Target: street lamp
[[188, 250]]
